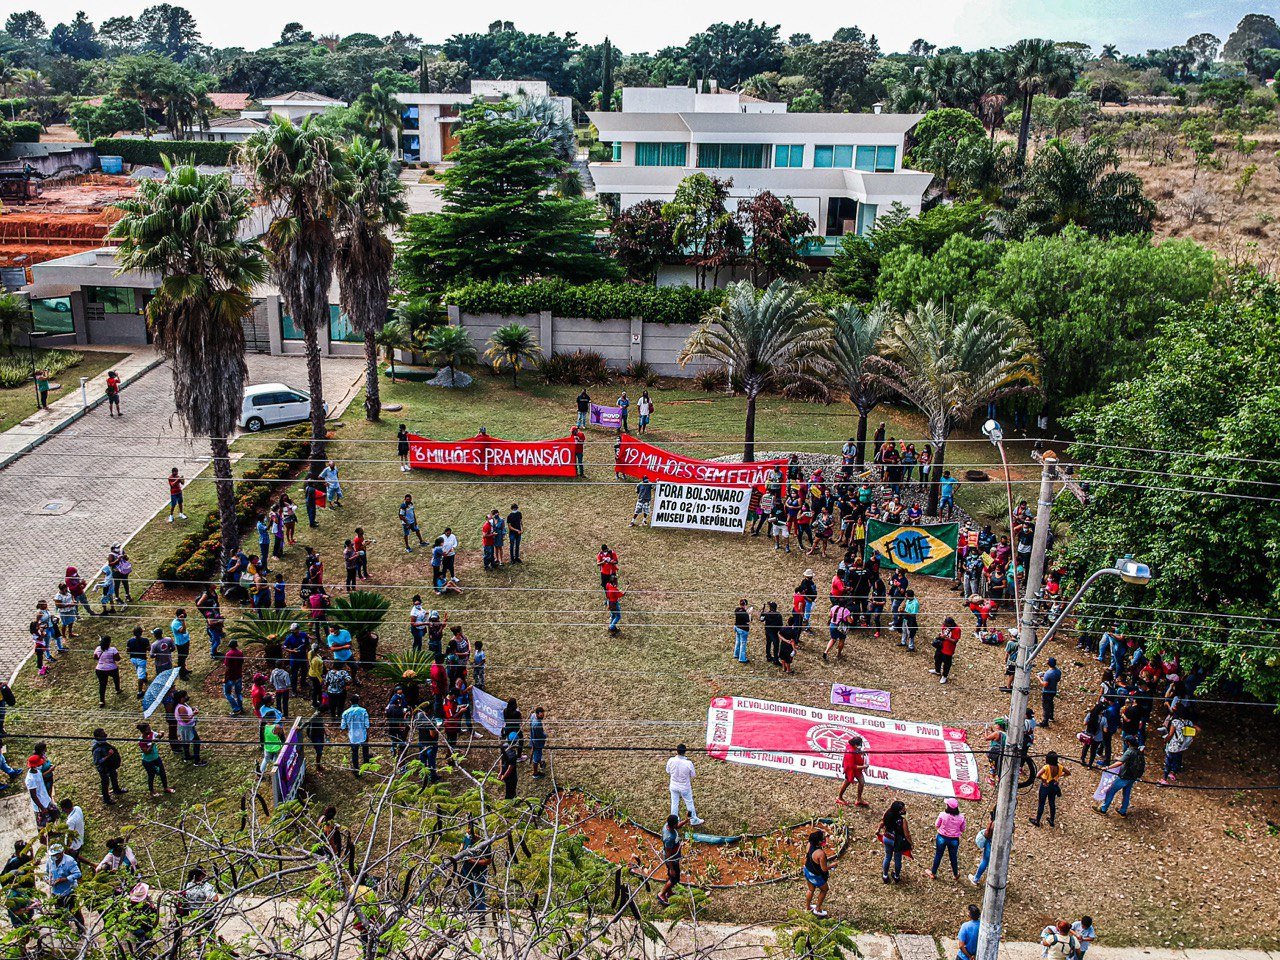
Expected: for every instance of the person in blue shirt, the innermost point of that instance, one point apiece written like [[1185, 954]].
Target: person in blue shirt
[[340, 644], [355, 720], [624, 405], [181, 642], [947, 499], [1049, 681], [264, 541], [968, 935], [295, 647], [64, 876]]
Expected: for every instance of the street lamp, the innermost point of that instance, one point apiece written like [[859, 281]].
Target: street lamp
[[1127, 569], [32, 337]]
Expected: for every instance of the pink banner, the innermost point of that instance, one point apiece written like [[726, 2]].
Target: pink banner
[[637, 458], [860, 698], [902, 755], [494, 457]]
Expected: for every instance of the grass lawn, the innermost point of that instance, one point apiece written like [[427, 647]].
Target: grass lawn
[[18, 403], [543, 626]]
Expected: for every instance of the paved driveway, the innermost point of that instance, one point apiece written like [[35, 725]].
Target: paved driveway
[[98, 481]]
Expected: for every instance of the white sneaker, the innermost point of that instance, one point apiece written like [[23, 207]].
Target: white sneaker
[[696, 822], [934, 672], [170, 518], [820, 914], [943, 680], [973, 879], [182, 516]]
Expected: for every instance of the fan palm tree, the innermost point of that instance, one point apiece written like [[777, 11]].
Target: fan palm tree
[[396, 334], [1081, 183], [186, 230], [766, 338], [15, 320], [450, 346], [513, 346], [1035, 66], [855, 338], [373, 205], [947, 363], [360, 613], [381, 110], [300, 174]]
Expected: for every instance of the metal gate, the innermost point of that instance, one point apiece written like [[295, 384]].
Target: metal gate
[[257, 338]]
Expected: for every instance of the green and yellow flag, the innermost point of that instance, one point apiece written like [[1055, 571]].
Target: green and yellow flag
[[927, 549]]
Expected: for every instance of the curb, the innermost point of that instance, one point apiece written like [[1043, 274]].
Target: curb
[[57, 428]]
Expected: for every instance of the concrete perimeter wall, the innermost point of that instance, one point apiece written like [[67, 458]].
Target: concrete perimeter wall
[[620, 342]]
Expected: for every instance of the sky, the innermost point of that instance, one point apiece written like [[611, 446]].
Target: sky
[[1134, 25]]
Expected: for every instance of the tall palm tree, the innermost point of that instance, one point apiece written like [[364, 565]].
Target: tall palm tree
[[1110, 52], [855, 339], [300, 174], [946, 363], [186, 230], [372, 207], [1035, 66], [381, 110], [766, 338], [512, 346], [1081, 184], [450, 346]]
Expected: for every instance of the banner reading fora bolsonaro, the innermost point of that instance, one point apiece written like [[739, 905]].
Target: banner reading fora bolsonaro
[[928, 549]]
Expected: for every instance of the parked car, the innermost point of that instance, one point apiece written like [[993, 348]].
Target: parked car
[[273, 404]]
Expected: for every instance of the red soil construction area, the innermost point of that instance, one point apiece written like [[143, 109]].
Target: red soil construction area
[[70, 217], [740, 862]]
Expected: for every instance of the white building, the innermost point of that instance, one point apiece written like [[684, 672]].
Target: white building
[[429, 118], [296, 105], [842, 169]]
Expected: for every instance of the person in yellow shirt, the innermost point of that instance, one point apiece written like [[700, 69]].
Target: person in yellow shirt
[[315, 673], [1050, 776]]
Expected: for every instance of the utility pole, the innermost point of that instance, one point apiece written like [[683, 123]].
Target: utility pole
[[991, 929]]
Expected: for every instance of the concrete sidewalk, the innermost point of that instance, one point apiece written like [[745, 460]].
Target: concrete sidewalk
[[71, 406]]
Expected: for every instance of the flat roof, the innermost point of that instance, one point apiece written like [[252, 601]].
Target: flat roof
[[621, 122]]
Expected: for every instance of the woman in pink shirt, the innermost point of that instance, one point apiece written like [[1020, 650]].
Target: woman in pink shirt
[[107, 668], [950, 827]]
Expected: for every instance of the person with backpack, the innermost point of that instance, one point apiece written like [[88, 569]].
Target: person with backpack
[[1058, 941], [1128, 771]]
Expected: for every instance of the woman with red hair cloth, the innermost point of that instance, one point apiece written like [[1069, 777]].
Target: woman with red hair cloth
[[944, 648]]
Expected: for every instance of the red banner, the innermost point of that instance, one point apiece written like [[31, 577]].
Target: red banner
[[901, 754], [637, 459], [488, 456]]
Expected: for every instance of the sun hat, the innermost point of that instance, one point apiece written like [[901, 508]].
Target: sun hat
[[434, 615], [34, 761], [139, 893], [809, 572]]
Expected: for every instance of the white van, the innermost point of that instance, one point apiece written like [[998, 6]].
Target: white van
[[273, 404]]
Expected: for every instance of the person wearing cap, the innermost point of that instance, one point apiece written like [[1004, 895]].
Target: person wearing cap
[[64, 876], [1128, 771], [1049, 681], [509, 766], [41, 803], [949, 827]]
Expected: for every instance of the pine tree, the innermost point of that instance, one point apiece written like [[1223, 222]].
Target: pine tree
[[606, 77]]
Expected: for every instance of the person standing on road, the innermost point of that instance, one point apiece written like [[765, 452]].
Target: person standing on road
[[680, 773], [113, 394], [176, 483], [967, 937]]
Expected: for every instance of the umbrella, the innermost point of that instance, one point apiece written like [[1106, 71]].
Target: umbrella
[[155, 693]]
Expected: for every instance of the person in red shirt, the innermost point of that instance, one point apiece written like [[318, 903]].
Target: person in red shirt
[[176, 482], [113, 394], [607, 561], [613, 600], [854, 764], [944, 648], [488, 538], [233, 677], [579, 443]]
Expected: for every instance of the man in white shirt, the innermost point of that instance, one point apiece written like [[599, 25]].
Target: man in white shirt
[[75, 828], [681, 773], [41, 803], [450, 546]]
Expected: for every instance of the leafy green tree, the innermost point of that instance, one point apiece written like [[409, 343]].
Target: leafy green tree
[[109, 118], [77, 39], [702, 225], [731, 52], [499, 221], [294, 32], [1081, 183], [958, 273], [512, 347], [450, 347], [606, 76], [301, 174], [1255, 32], [187, 229], [372, 207], [778, 232], [514, 53], [937, 139], [855, 341], [1036, 66], [640, 240], [947, 362], [27, 26], [806, 101], [170, 30], [768, 338], [380, 109], [1211, 393], [15, 319], [838, 71]]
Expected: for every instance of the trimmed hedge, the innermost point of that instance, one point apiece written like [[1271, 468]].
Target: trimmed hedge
[[200, 551], [600, 300], [138, 151], [12, 106], [24, 131]]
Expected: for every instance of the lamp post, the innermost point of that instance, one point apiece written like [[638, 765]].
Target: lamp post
[[1131, 571], [32, 337]]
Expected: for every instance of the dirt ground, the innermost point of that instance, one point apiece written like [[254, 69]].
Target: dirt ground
[[68, 218], [1194, 865]]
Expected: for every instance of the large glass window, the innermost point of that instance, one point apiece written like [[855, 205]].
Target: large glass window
[[866, 218], [662, 154], [112, 299], [409, 116], [733, 156], [340, 329], [788, 155], [877, 159], [52, 315], [837, 156]]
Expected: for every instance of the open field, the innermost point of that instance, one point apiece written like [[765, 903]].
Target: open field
[[1193, 867]]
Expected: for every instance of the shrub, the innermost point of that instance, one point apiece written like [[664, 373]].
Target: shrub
[[582, 367], [601, 300], [24, 131], [138, 151], [712, 379], [16, 371], [641, 372]]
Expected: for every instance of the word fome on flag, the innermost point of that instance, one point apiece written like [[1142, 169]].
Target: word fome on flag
[[902, 755]]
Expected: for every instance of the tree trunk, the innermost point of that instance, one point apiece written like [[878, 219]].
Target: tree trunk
[[315, 386], [515, 372], [935, 476], [860, 457], [1024, 130], [225, 488], [372, 398], [749, 441]]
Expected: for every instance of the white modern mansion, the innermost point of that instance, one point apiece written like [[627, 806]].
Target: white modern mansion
[[429, 119], [842, 169]]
